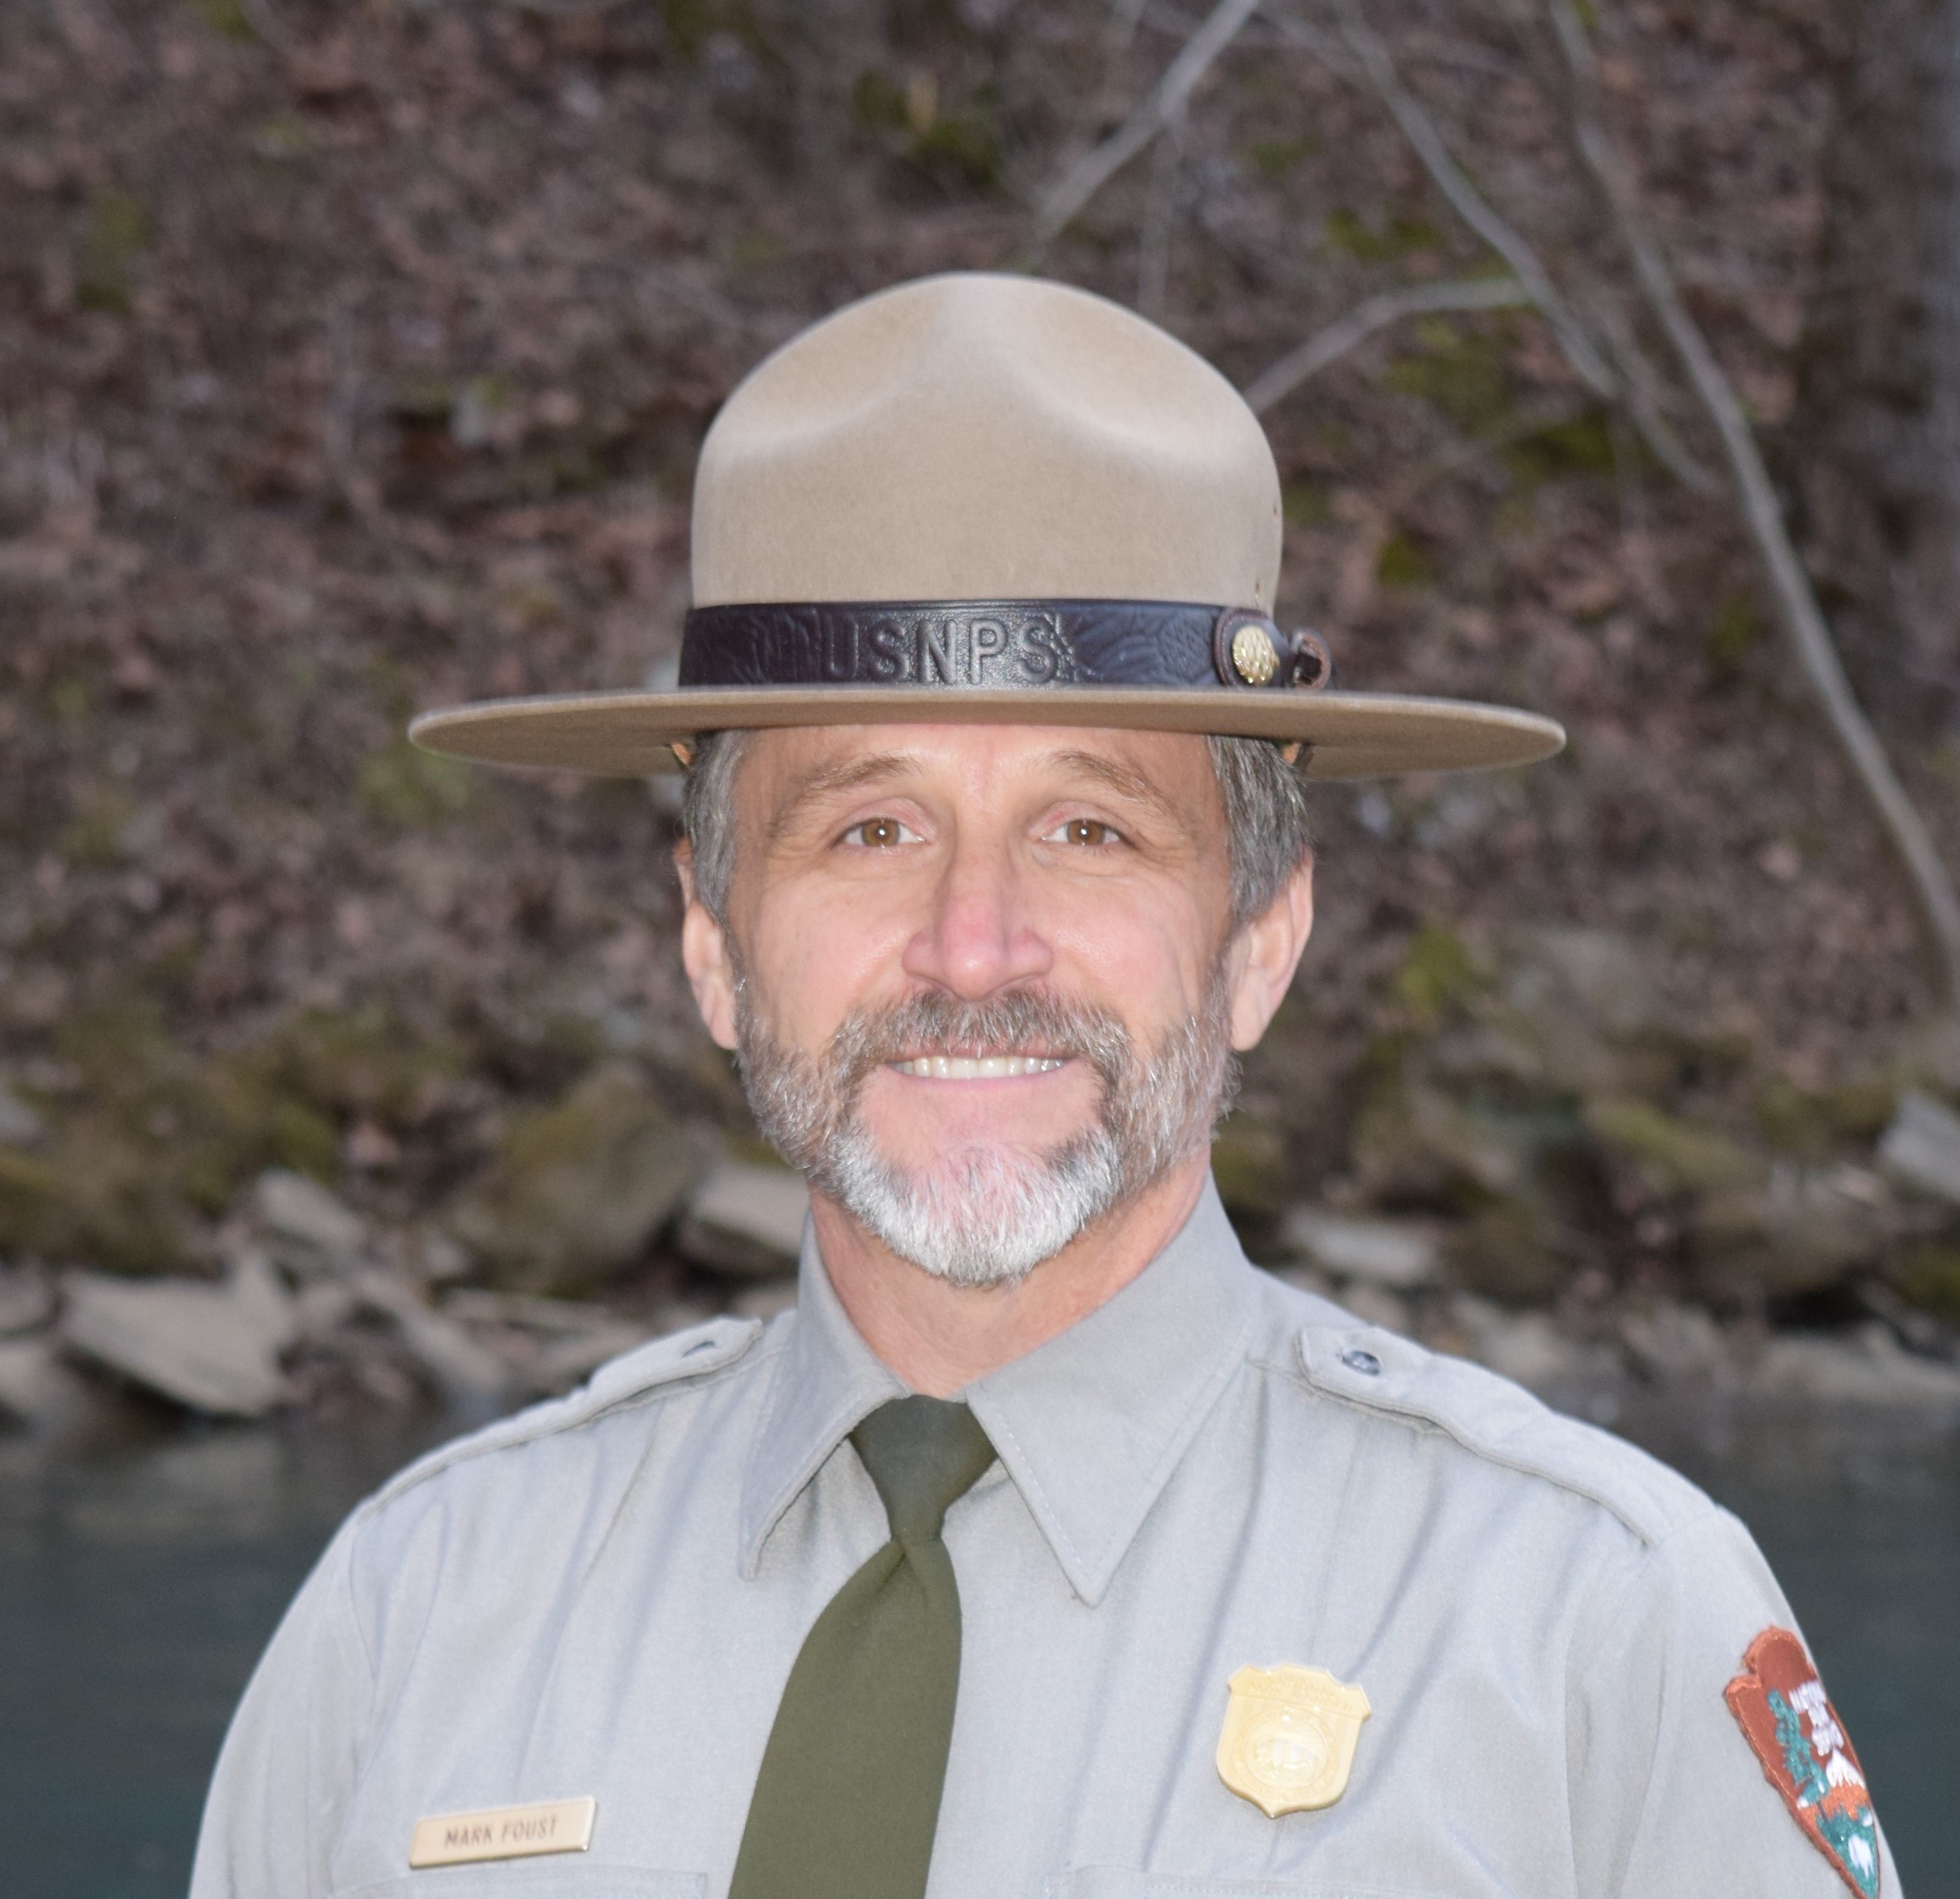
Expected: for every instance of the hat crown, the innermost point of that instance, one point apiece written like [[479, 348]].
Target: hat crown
[[974, 437]]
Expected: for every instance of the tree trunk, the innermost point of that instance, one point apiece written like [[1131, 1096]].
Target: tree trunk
[[1876, 430]]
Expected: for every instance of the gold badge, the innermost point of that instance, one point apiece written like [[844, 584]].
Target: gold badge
[[1255, 658], [503, 1833], [1289, 1738]]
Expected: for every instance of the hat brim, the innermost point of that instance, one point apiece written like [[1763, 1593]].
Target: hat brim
[[630, 734]]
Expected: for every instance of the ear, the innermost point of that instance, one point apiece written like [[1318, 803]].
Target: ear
[[1268, 951], [704, 953]]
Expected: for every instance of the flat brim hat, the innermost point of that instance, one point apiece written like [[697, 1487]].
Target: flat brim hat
[[977, 498]]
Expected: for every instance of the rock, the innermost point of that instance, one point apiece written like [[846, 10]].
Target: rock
[[765, 1299], [1529, 1348], [1668, 1155], [1412, 1143], [437, 1257], [679, 1316], [525, 1311], [1307, 1279], [1376, 1305], [1867, 1367], [1391, 1252], [577, 1191], [577, 1355], [214, 1348], [20, 1124], [466, 1373], [1917, 1330], [1932, 1053], [747, 1219], [291, 1208], [1249, 1162], [1921, 1148], [548, 1344], [1930, 1277], [1669, 1343], [1580, 1015], [39, 1389], [1505, 1250], [28, 1369], [1800, 1231], [27, 1298], [1600, 973], [323, 1306]]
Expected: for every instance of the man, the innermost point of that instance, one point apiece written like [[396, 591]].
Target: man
[[1047, 1547]]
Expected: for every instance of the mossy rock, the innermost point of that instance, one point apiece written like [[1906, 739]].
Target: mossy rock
[[1669, 1156], [1438, 974], [1796, 1232], [1809, 1123], [158, 1140], [1415, 1145], [1930, 1277], [1504, 1251], [576, 1191], [93, 1196], [1248, 1161]]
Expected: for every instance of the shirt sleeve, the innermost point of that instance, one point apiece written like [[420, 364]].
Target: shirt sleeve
[[1670, 1796], [287, 1767]]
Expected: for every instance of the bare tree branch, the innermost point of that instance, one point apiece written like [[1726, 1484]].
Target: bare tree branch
[[1167, 100], [1584, 355], [1421, 132], [1644, 392], [1789, 586], [1376, 312], [1160, 220]]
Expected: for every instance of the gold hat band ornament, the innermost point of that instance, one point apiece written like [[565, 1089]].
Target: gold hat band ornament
[[989, 499], [1289, 1738]]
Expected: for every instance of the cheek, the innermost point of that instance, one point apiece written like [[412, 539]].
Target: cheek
[[1144, 951], [815, 953]]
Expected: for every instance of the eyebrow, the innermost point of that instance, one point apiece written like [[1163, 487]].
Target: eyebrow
[[1124, 782], [848, 774], [883, 768]]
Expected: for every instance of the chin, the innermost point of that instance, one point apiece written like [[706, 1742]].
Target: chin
[[918, 1124]]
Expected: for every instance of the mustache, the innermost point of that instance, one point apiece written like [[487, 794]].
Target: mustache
[[1032, 1022]]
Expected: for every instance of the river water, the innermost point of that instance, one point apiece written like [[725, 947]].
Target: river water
[[138, 1583]]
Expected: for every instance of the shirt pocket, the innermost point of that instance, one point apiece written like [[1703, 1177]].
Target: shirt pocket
[[554, 1878], [1122, 1882]]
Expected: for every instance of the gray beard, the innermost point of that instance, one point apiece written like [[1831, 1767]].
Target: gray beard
[[989, 1215]]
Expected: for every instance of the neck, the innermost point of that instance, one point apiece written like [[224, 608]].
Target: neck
[[940, 1338]]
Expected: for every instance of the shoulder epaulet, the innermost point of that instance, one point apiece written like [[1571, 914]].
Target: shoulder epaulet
[[695, 1353], [1497, 1420]]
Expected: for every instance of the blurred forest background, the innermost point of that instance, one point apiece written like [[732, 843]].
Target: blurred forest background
[[354, 358]]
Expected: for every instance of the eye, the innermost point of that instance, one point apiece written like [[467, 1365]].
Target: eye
[[1089, 833], [879, 834]]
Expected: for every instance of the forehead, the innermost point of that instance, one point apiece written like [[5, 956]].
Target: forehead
[[985, 763]]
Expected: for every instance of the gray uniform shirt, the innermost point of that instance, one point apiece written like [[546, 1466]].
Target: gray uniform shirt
[[604, 1596]]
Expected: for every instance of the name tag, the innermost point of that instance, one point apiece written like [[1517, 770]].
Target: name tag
[[503, 1833]]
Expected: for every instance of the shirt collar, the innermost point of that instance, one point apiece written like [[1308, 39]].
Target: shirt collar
[[1089, 1426]]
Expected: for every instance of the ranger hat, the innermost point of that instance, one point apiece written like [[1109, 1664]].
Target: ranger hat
[[976, 497]]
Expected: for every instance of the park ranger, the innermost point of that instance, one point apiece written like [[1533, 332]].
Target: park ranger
[[1047, 1547]]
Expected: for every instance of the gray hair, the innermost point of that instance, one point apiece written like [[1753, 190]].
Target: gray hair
[[1265, 818]]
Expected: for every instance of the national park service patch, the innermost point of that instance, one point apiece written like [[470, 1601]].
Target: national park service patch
[[1781, 1706]]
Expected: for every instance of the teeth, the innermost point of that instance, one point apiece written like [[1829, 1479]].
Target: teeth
[[976, 1068]]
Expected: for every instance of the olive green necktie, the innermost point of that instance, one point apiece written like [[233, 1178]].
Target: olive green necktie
[[846, 1801]]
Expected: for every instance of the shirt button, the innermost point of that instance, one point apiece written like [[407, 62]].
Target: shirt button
[[1364, 1362]]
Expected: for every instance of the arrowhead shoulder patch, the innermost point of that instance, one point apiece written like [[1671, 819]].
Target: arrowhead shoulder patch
[[1780, 1706]]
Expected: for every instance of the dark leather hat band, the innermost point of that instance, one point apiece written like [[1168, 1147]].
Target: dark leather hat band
[[996, 645]]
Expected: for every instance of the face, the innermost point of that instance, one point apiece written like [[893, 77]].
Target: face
[[982, 979]]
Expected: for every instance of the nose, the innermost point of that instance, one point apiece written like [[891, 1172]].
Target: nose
[[979, 937]]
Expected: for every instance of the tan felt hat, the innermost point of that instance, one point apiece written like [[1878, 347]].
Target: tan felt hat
[[982, 498]]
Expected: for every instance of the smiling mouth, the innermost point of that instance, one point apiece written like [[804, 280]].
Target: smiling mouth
[[977, 1068]]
